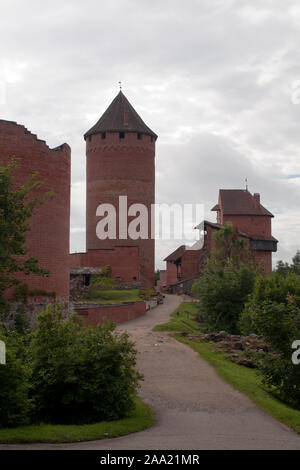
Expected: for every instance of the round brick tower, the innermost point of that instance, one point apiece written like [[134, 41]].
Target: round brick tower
[[120, 161]]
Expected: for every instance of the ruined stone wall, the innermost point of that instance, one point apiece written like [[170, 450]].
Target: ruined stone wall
[[124, 261], [48, 239]]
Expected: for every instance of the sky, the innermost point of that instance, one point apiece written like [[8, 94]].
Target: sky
[[218, 81]]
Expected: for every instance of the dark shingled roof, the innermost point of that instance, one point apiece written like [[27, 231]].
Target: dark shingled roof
[[240, 202], [176, 254], [120, 116]]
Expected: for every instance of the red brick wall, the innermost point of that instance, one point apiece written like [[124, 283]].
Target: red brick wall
[[162, 279], [256, 225], [48, 239], [118, 313], [264, 257], [190, 263], [171, 273], [124, 261], [121, 167], [209, 237]]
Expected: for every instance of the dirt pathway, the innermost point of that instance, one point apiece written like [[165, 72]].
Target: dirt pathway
[[194, 408]]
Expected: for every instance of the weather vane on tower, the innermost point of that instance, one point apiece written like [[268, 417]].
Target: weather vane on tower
[[120, 85]]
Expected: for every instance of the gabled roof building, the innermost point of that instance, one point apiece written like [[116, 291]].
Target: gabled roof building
[[250, 219]]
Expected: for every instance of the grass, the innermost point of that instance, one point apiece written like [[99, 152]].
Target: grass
[[113, 295], [141, 418], [182, 320], [242, 378], [104, 282]]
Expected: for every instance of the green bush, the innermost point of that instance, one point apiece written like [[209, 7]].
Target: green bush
[[283, 379], [274, 312], [284, 268], [101, 281], [146, 293], [14, 384], [223, 291], [279, 323], [273, 288], [81, 375], [226, 281]]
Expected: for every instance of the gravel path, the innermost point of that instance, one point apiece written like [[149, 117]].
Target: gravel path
[[194, 408]]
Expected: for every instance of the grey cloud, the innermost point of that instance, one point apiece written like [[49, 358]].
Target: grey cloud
[[211, 77]]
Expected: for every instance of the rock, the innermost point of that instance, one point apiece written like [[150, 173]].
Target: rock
[[236, 337], [246, 363], [238, 345], [223, 334]]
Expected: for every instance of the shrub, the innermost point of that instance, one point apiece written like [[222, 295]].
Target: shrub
[[226, 281], [274, 288], [81, 375], [101, 281], [280, 325], [223, 291], [14, 380], [283, 379], [274, 312], [285, 268], [146, 293]]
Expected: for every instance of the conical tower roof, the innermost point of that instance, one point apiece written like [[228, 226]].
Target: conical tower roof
[[120, 116]]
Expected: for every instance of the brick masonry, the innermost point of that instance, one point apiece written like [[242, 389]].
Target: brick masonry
[[95, 314], [48, 239], [121, 167], [124, 261]]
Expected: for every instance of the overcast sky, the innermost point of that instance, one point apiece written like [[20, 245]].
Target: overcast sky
[[218, 81]]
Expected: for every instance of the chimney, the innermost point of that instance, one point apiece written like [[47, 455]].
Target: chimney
[[256, 199]]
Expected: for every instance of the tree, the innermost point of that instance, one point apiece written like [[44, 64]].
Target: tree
[[284, 268], [14, 380], [226, 282], [229, 246], [17, 206], [296, 263], [273, 311], [156, 276], [80, 374]]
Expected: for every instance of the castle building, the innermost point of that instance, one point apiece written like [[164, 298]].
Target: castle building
[[120, 161], [249, 218]]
